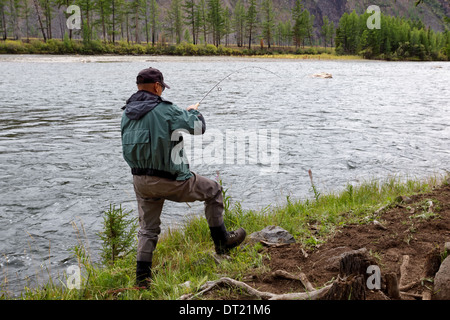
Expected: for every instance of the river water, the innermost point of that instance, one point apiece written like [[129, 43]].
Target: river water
[[60, 150]]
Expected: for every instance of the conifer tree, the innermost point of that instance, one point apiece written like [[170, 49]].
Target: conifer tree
[[190, 17], [268, 24], [216, 20], [239, 18], [251, 21], [175, 20]]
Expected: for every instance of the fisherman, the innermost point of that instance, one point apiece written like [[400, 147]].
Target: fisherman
[[148, 126]]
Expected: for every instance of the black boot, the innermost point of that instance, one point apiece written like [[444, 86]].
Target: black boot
[[143, 273], [225, 241]]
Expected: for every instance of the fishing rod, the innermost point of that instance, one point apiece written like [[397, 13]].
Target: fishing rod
[[236, 71]]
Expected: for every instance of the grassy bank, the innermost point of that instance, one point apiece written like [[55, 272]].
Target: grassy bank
[[66, 46], [77, 47], [186, 254], [305, 56]]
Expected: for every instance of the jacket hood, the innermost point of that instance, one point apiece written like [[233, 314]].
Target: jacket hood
[[141, 103]]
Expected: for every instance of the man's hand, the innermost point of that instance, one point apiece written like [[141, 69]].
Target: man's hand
[[193, 107]]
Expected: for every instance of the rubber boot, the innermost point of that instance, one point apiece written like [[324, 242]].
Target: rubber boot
[[143, 273], [225, 241]]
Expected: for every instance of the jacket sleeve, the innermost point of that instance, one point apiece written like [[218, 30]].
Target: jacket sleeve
[[192, 121]]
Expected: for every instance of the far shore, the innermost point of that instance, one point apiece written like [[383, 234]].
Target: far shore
[[113, 58]]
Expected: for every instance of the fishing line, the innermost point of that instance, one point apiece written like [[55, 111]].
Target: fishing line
[[236, 71]]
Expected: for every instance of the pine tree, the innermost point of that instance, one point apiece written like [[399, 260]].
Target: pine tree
[[227, 24], [14, 13], [326, 31], [154, 19], [118, 18], [332, 33], [299, 30], [102, 10], [268, 25], [25, 14], [175, 19], [3, 20], [309, 25], [146, 20], [47, 10], [39, 17], [251, 21], [113, 19], [135, 10], [202, 18], [190, 17], [216, 20], [87, 7], [239, 18]]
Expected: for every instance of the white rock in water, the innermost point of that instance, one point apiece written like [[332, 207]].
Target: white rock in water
[[323, 75]]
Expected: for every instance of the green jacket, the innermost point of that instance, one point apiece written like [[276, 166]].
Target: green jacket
[[150, 134]]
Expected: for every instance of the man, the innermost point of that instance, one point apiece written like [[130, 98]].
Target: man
[[149, 124]]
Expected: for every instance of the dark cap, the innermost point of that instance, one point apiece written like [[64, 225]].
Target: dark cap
[[151, 75]]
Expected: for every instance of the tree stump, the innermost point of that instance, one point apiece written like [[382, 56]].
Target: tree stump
[[351, 283], [432, 263], [392, 287], [351, 288], [430, 268], [355, 262]]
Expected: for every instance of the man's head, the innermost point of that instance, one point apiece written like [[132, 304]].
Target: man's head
[[151, 80]]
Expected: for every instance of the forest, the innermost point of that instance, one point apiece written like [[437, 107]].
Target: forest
[[209, 27], [396, 38]]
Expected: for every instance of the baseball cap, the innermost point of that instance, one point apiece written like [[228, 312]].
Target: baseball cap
[[151, 75]]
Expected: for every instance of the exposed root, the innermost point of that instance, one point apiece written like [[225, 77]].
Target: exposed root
[[301, 277], [403, 272], [310, 295]]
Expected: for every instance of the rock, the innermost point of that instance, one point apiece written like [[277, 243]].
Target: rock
[[379, 225], [447, 246], [442, 281], [323, 75], [186, 284], [430, 206], [273, 234], [404, 199]]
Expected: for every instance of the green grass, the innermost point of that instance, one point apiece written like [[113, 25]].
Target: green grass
[[185, 255], [305, 56], [97, 47]]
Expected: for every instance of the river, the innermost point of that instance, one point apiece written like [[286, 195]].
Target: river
[[60, 149]]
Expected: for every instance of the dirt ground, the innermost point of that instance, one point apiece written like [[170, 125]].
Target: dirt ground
[[410, 228]]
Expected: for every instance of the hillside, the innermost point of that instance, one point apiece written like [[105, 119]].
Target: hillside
[[431, 12]]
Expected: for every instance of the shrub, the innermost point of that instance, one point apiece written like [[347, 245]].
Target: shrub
[[224, 51], [54, 46], [138, 49], [210, 50], [118, 234], [340, 50], [186, 49], [14, 47]]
